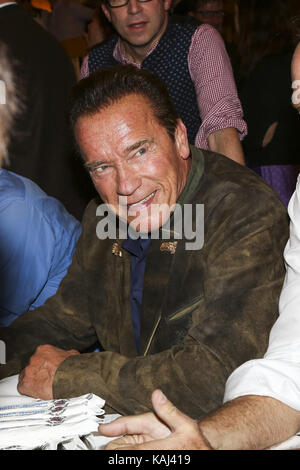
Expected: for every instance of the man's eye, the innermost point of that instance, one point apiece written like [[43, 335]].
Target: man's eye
[[99, 169], [141, 151]]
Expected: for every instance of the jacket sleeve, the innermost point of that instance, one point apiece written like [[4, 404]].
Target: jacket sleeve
[[243, 278]]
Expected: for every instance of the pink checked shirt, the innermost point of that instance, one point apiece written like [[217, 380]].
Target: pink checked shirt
[[211, 72]]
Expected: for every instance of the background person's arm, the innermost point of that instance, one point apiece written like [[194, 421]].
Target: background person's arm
[[226, 142], [218, 101], [250, 422]]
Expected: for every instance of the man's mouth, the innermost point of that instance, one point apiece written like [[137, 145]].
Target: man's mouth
[[142, 201], [139, 25]]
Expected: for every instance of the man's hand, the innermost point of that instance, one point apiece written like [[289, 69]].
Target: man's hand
[[37, 378], [167, 429]]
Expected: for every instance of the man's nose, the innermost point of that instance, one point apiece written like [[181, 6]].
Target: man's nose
[[134, 7], [128, 181]]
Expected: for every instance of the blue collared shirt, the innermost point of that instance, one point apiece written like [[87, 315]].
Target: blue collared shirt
[[37, 242], [138, 250]]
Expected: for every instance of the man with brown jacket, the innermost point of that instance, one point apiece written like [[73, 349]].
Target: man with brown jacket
[[180, 310]]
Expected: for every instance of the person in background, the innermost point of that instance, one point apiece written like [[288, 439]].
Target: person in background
[[266, 46], [262, 397], [177, 4], [208, 12], [39, 10], [191, 59], [68, 19], [37, 235], [98, 29], [9, 103], [42, 148], [212, 12]]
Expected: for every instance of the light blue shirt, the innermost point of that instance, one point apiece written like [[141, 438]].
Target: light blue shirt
[[37, 242]]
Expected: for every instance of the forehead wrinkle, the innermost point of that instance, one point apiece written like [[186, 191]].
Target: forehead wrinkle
[[123, 119], [125, 125]]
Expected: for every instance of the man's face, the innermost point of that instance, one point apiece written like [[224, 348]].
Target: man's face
[[134, 164], [210, 13], [139, 24]]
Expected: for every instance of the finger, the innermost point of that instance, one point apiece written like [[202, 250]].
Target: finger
[[128, 425], [168, 412], [21, 375], [116, 444], [20, 381], [27, 374], [22, 386], [160, 444], [124, 442]]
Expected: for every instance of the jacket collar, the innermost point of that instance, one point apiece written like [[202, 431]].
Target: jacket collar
[[194, 177]]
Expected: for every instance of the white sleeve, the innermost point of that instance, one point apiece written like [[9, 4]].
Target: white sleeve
[[277, 375]]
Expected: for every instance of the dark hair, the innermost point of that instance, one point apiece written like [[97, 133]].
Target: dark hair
[[11, 105], [107, 86], [265, 29], [295, 24], [194, 5]]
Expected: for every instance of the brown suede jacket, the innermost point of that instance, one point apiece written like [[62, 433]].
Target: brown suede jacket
[[204, 312]]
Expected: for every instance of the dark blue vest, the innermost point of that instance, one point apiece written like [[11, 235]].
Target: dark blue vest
[[169, 61]]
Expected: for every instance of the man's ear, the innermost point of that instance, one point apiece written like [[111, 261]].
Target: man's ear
[[296, 78], [167, 4], [296, 64], [181, 140], [106, 11]]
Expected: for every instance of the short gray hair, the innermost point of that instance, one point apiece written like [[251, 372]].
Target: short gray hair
[[8, 102]]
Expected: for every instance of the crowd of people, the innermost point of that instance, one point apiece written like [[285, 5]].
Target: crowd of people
[[192, 335]]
